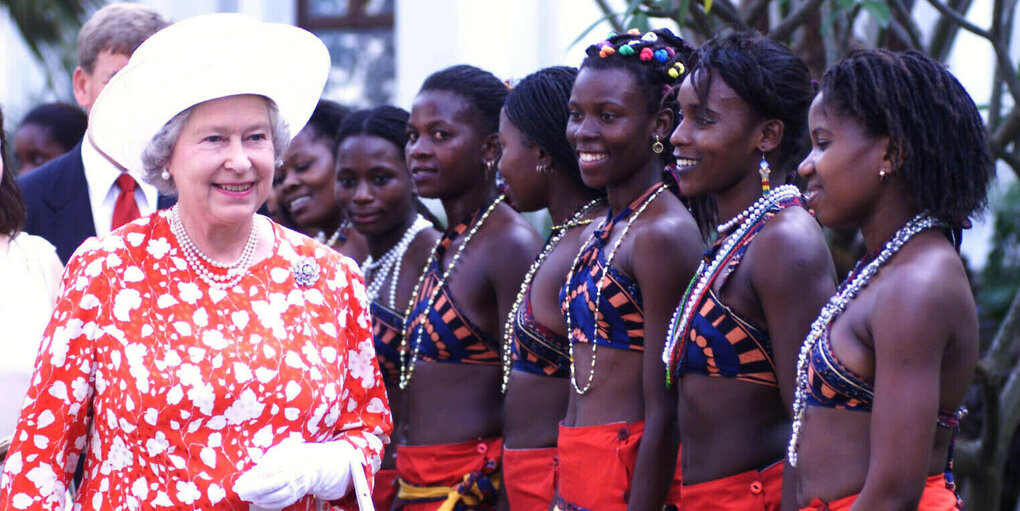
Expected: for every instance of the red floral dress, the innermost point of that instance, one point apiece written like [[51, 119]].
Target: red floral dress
[[171, 389]]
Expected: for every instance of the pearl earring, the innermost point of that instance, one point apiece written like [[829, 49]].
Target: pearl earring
[[165, 175]]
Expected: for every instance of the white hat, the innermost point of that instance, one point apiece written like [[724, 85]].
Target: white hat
[[203, 58]]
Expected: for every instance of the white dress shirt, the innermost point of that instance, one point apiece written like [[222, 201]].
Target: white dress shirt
[[101, 174]]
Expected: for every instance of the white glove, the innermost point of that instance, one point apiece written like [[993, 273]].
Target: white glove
[[291, 470]]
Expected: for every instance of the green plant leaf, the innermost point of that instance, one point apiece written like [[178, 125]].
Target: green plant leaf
[[879, 11], [592, 27], [681, 16], [845, 5], [640, 22]]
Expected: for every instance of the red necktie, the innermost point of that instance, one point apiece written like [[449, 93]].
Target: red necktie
[[125, 209]]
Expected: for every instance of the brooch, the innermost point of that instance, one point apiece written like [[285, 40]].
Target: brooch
[[306, 271]]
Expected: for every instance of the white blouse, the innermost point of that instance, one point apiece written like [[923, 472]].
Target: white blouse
[[29, 276]]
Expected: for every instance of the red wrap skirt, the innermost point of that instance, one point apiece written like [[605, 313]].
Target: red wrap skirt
[[596, 466], [936, 497]]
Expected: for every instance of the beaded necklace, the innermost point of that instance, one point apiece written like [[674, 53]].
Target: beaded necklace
[[377, 272], [604, 231], [851, 287], [407, 367], [197, 260], [555, 236], [680, 323], [337, 235]]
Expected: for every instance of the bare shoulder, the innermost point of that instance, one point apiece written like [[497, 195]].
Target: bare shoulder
[[421, 248], [666, 238], [507, 230], [789, 245], [926, 284], [667, 225]]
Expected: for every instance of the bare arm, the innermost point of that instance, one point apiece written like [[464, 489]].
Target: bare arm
[[793, 277], [666, 255], [910, 325]]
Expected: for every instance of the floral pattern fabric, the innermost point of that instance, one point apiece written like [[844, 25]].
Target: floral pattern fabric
[[171, 389]]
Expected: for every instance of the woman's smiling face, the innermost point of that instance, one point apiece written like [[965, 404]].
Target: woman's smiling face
[[222, 161], [842, 168], [610, 126]]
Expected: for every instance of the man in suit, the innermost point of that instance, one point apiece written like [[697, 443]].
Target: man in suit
[[83, 193]]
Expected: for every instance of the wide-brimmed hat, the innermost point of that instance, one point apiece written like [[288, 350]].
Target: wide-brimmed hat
[[203, 58]]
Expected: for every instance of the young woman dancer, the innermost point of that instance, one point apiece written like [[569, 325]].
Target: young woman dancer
[[375, 192], [734, 337], [541, 172], [617, 443], [303, 187], [898, 150], [451, 368]]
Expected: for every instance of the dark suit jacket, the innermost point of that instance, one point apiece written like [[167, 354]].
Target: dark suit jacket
[[57, 198]]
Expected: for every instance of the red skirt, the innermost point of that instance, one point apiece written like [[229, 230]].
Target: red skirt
[[446, 466], [753, 490], [936, 497], [385, 489], [596, 465], [530, 478]]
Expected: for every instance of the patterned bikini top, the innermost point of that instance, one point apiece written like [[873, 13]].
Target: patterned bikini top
[[446, 334], [720, 342], [621, 315], [833, 385], [537, 349], [387, 327]]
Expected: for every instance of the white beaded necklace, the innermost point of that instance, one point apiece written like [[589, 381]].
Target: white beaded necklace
[[377, 272], [555, 236], [598, 291], [699, 283], [321, 236], [197, 260], [407, 367], [836, 305]]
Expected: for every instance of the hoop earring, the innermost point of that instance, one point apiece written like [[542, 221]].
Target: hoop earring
[[165, 175], [657, 146], [764, 170]]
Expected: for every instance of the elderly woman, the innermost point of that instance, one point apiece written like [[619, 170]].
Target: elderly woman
[[203, 356]]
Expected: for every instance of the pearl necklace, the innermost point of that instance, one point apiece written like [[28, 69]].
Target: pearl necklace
[[550, 244], [598, 290], [836, 305], [702, 278], [377, 272], [195, 257], [407, 368], [731, 223]]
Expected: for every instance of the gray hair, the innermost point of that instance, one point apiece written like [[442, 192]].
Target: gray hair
[[157, 152], [117, 28]]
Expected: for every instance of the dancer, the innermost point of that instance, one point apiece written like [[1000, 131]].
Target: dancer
[[898, 150]]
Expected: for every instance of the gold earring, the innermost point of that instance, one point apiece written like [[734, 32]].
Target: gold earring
[[657, 146]]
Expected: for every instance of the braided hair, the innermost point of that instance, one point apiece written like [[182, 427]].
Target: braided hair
[[482, 90], [935, 131], [537, 106], [326, 119], [767, 76]]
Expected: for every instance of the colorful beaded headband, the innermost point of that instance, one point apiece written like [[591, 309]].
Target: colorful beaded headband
[[645, 53]]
